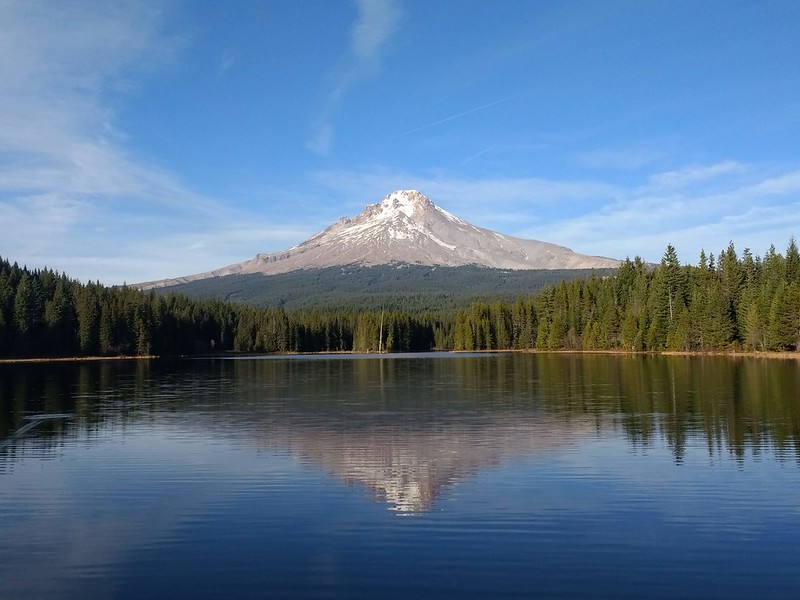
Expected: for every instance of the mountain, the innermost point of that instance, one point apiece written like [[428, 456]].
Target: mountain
[[406, 228]]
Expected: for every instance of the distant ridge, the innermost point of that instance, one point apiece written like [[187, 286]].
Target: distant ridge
[[407, 228]]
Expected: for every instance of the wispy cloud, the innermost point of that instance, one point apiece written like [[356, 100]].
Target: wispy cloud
[[696, 174], [704, 212], [376, 23], [165, 254], [69, 187]]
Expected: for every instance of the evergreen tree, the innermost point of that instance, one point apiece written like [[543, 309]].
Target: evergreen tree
[[793, 312], [61, 319], [675, 284], [28, 313], [732, 280], [21, 325], [88, 312], [680, 337], [754, 329], [716, 324], [792, 262]]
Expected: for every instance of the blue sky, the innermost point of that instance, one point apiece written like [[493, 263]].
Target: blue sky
[[144, 140]]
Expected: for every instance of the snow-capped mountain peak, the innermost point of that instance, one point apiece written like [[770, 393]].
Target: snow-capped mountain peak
[[406, 227], [406, 202], [402, 215]]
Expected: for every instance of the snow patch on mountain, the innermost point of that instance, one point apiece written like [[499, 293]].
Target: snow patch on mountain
[[406, 227]]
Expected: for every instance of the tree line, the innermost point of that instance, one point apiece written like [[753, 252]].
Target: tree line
[[46, 314], [728, 302]]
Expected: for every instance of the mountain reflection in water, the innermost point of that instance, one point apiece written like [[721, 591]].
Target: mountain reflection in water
[[548, 475], [406, 427]]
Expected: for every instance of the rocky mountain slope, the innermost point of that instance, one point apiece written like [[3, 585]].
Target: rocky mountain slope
[[406, 227]]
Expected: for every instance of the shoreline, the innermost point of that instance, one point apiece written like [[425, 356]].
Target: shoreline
[[715, 353], [9, 361]]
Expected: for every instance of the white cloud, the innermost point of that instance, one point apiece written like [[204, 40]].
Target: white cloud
[[62, 66], [377, 21], [375, 24], [68, 187], [696, 174], [209, 246], [786, 183], [752, 210]]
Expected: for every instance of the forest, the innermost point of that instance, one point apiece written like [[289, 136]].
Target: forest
[[723, 303], [394, 286]]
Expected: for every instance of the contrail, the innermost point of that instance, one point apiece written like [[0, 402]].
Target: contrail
[[476, 155], [459, 115]]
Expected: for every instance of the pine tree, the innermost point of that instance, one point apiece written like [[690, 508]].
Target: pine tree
[[28, 313], [753, 332], [793, 313], [732, 280], [61, 319], [716, 321], [630, 334], [780, 334], [680, 337], [792, 262], [88, 312]]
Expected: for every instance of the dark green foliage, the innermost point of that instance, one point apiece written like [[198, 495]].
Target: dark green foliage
[[727, 303], [414, 288], [721, 304], [46, 314]]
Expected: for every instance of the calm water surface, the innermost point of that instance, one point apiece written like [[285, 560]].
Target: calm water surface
[[434, 476]]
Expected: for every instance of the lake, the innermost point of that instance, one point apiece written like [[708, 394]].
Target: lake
[[401, 476]]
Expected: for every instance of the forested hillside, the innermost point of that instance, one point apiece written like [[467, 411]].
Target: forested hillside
[[415, 288], [47, 314], [730, 302], [725, 303]]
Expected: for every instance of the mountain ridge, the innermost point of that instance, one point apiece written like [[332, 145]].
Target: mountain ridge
[[405, 228]]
